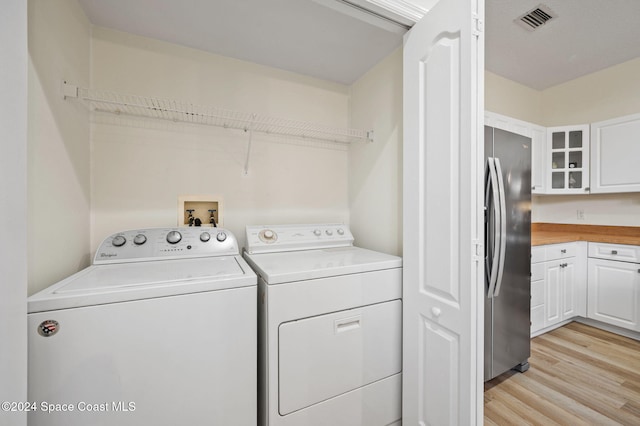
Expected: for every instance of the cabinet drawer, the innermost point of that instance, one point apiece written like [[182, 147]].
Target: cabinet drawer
[[537, 272], [621, 252], [537, 318], [560, 251], [537, 293], [537, 254]]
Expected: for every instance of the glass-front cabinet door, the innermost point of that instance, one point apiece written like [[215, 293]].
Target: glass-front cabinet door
[[568, 159]]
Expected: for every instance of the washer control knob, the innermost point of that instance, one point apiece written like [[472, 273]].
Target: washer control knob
[[174, 237], [340, 231], [118, 241], [317, 233], [139, 239], [268, 234], [221, 236], [329, 232], [205, 236]]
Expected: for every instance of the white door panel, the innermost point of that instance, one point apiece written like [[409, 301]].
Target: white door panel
[[443, 280]]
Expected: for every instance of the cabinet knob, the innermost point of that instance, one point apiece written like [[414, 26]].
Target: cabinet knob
[[436, 312], [563, 251], [614, 251]]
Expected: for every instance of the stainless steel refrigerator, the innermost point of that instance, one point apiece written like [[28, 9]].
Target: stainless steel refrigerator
[[507, 252]]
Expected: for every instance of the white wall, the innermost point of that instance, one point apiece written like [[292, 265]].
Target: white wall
[[375, 170], [612, 92], [141, 166], [13, 208], [609, 93], [599, 209], [512, 99], [58, 143]]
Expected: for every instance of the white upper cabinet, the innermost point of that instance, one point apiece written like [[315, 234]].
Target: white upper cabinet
[[538, 150], [568, 159], [614, 157], [538, 135]]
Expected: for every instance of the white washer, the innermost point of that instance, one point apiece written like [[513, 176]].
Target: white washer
[[160, 330], [330, 327]]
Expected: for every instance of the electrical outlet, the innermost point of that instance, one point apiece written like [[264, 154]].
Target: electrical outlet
[[580, 214]]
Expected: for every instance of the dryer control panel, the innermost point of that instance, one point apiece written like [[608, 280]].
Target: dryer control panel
[[278, 238], [166, 243]]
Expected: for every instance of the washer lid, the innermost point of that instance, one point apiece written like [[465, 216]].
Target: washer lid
[[278, 268], [110, 283]]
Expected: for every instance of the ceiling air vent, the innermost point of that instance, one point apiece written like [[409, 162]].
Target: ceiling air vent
[[535, 18]]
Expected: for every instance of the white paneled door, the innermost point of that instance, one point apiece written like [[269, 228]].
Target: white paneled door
[[443, 219]]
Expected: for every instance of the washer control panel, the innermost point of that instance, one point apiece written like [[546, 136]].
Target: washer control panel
[[166, 243], [276, 238]]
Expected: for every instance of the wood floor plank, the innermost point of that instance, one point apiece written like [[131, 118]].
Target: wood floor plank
[[627, 356], [591, 379], [578, 375], [566, 403], [611, 362], [596, 333], [520, 388]]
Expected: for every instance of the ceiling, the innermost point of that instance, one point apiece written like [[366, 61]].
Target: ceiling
[[308, 37], [586, 36]]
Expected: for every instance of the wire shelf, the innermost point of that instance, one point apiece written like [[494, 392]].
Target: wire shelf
[[166, 109]]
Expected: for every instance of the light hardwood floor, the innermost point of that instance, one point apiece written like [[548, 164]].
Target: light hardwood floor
[[579, 375]]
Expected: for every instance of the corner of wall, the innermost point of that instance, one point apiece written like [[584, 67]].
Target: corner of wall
[[13, 208], [58, 143], [507, 97], [375, 169]]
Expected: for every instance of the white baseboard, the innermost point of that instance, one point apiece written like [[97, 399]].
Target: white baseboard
[[593, 323]]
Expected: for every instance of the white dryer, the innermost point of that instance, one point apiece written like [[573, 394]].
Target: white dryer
[[330, 327], [160, 330]]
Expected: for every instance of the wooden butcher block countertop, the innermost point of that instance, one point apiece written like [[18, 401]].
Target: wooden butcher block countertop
[[554, 233]]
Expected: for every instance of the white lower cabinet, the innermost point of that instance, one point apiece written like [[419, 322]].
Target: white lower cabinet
[[558, 284], [561, 295], [537, 295], [614, 286]]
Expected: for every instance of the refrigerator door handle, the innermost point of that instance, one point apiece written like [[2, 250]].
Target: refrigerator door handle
[[503, 226], [492, 195]]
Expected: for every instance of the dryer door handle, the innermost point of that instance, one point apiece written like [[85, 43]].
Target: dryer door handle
[[347, 324]]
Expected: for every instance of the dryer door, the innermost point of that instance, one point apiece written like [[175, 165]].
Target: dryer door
[[328, 355]]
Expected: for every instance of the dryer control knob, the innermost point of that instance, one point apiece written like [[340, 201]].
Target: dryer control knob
[[329, 232], [268, 234], [221, 236], [317, 233], [139, 239], [118, 241], [174, 237], [205, 236], [340, 231]]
